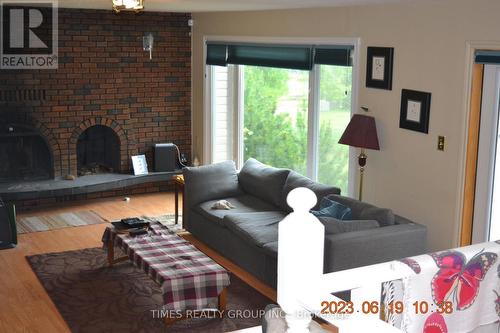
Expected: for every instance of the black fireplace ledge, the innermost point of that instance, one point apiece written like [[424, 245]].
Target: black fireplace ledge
[[27, 190]]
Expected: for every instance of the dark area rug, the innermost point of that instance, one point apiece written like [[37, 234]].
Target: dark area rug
[[92, 297]]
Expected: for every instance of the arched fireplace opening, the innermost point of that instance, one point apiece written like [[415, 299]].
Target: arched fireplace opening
[[98, 151], [24, 154]]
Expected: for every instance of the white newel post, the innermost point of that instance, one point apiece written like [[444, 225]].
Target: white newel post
[[300, 257]]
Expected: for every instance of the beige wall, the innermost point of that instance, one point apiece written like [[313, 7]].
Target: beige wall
[[408, 174]]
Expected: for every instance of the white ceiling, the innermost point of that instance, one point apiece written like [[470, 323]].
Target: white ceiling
[[223, 5]]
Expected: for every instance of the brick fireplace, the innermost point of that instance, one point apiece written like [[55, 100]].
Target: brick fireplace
[[106, 92]]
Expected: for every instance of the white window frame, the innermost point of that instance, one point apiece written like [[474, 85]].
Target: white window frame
[[313, 117]]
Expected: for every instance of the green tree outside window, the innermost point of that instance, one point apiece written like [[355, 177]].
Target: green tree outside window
[[280, 138]]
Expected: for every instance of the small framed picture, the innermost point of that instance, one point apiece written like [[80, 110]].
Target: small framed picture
[[379, 67], [415, 109], [140, 165]]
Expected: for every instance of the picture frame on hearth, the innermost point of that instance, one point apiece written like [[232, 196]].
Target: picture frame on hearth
[[140, 165], [415, 110], [379, 63]]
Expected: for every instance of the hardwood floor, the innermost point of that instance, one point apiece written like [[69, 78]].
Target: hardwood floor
[[116, 208], [26, 307]]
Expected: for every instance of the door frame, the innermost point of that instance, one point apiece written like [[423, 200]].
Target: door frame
[[487, 154], [469, 149], [474, 124]]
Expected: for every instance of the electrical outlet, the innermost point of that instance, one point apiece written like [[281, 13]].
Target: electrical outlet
[[441, 140]]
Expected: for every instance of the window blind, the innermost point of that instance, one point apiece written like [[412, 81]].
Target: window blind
[[336, 56], [301, 57], [487, 57], [216, 54], [271, 56]]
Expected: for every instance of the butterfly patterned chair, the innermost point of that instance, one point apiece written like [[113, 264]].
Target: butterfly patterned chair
[[453, 291]]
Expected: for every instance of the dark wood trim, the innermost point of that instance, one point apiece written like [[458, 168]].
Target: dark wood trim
[[472, 155]]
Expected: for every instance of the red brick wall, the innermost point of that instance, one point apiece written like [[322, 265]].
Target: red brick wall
[[105, 77]]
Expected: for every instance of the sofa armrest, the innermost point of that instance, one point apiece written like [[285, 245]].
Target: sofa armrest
[[367, 247]]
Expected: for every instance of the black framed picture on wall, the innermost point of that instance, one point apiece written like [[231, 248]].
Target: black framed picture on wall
[[379, 63], [415, 110]]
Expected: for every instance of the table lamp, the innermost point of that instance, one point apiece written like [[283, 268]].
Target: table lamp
[[361, 133]]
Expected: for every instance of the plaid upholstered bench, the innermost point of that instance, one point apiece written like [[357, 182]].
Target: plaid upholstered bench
[[189, 279]]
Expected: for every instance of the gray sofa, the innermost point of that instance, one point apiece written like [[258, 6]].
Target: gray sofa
[[248, 234]]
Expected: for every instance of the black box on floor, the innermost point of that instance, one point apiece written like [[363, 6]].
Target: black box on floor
[[165, 155]]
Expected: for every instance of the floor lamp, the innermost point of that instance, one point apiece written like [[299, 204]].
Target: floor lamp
[[361, 133]]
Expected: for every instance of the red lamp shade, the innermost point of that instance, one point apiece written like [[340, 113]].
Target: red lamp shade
[[361, 132]]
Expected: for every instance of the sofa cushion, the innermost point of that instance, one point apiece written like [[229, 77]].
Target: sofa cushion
[[242, 204], [364, 211], [336, 226], [295, 180], [271, 249], [256, 228], [263, 181], [208, 182], [330, 208]]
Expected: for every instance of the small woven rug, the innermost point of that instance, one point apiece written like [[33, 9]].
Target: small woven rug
[[167, 220], [81, 218], [58, 221]]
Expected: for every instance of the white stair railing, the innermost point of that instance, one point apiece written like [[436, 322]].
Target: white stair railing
[[300, 257], [303, 289]]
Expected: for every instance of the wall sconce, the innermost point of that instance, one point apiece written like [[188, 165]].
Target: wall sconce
[[128, 5], [147, 44]]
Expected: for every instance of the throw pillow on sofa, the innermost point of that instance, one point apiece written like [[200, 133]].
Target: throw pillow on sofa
[[209, 182], [295, 180], [263, 181], [336, 226], [364, 211], [330, 208]]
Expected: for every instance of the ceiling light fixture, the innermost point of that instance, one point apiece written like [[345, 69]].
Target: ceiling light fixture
[[128, 5]]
